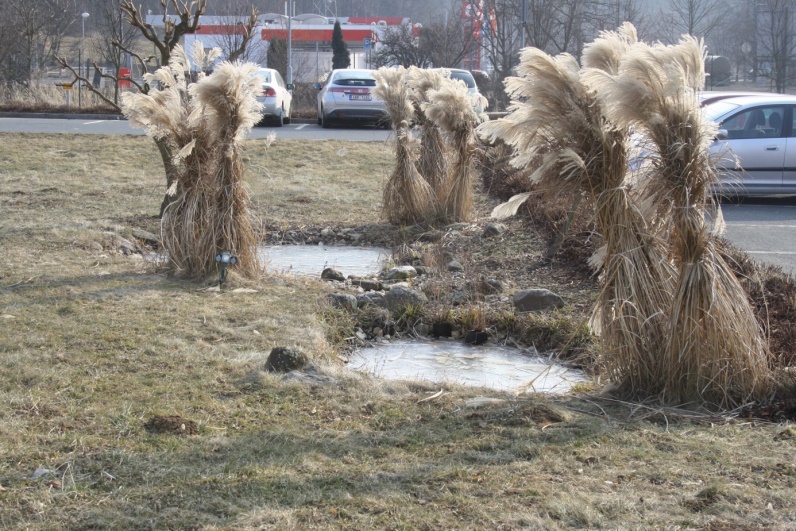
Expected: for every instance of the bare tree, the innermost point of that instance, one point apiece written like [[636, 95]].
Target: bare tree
[[698, 18], [401, 47], [236, 40], [774, 41], [109, 26], [32, 36], [445, 43], [187, 21]]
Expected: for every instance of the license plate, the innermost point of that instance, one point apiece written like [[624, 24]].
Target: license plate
[[365, 97]]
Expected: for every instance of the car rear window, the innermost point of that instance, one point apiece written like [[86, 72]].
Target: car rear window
[[464, 76], [266, 76], [353, 81]]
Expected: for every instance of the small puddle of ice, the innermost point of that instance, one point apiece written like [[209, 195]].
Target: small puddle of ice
[[440, 361], [311, 260]]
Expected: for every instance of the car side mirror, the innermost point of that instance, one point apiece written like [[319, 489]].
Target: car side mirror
[[290, 86], [722, 134], [316, 86]]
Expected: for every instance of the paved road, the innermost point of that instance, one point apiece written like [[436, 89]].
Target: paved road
[[121, 127], [765, 228]]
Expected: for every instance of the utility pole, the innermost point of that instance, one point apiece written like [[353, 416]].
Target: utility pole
[[523, 23], [290, 42]]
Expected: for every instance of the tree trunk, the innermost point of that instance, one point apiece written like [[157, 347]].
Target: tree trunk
[[171, 171]]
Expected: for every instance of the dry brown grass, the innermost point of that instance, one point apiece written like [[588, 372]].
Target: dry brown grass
[[716, 352], [95, 345], [407, 198]]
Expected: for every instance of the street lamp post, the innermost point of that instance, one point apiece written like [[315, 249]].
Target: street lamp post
[[289, 42], [82, 55]]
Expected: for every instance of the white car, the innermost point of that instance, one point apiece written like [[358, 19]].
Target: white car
[[755, 149], [347, 95], [275, 97]]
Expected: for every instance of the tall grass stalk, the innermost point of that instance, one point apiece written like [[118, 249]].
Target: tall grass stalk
[[715, 352], [407, 197], [204, 123], [451, 108], [557, 124], [433, 160]]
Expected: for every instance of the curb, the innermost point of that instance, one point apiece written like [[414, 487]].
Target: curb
[[76, 116]]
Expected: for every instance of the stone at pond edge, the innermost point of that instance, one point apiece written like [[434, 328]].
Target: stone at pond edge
[[536, 300], [423, 270], [455, 266], [400, 297], [473, 337], [285, 359], [441, 330], [401, 273], [366, 284], [371, 298], [345, 301], [494, 229], [332, 274]]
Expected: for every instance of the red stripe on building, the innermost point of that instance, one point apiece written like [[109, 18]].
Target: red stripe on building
[[315, 34]]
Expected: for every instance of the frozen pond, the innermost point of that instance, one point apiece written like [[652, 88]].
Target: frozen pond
[[440, 361], [311, 260]]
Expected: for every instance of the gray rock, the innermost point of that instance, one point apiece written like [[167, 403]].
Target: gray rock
[[400, 297], [96, 246], [423, 329], [401, 273], [310, 376], [126, 246], [455, 266], [332, 274], [345, 301], [423, 270], [373, 298], [145, 236], [491, 286], [366, 283], [536, 300], [327, 233], [458, 298], [494, 229], [285, 359]]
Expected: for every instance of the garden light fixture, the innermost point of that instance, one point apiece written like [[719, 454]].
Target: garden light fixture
[[225, 258]]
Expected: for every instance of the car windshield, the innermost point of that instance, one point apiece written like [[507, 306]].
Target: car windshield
[[713, 111], [353, 79]]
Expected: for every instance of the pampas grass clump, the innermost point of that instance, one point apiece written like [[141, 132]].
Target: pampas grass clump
[[407, 197], [433, 160], [715, 352], [557, 124], [204, 123], [450, 107]]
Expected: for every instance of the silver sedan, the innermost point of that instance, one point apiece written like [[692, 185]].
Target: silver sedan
[[755, 149]]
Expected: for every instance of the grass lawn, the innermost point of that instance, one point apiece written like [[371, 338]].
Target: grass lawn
[[96, 346]]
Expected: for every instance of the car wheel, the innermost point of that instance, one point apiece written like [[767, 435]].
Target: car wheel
[[286, 119], [326, 123], [279, 120]]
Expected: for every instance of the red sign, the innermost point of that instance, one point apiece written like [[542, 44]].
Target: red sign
[[124, 78]]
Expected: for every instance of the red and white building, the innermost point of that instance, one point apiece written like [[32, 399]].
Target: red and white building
[[311, 38]]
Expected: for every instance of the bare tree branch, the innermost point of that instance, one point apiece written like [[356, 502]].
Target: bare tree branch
[[78, 78]]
